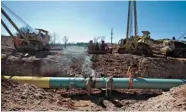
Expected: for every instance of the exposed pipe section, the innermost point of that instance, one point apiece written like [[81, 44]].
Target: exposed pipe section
[[117, 83]]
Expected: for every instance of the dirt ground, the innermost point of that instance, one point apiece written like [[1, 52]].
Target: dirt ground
[[155, 67], [174, 100], [76, 63], [16, 97], [80, 65]]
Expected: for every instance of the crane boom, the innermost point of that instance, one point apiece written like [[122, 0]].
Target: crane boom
[[182, 36], [131, 6], [128, 22], [6, 28], [133, 43], [14, 25], [135, 19], [35, 44], [19, 18]]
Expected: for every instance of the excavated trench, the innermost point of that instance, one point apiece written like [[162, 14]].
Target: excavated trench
[[74, 62], [17, 97]]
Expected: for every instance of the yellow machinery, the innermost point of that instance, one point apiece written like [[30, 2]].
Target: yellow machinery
[[35, 44], [174, 48], [135, 44]]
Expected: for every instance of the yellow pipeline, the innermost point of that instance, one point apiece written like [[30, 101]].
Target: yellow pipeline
[[42, 82]]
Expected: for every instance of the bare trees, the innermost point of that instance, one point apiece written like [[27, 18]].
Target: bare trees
[[65, 40], [53, 38], [99, 37]]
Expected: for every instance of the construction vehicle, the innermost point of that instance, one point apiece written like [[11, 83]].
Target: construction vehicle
[[135, 44], [33, 43], [102, 48], [174, 48], [96, 48]]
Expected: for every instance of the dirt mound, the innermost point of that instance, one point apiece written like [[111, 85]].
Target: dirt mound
[[73, 62], [155, 67], [174, 100], [7, 41], [31, 66], [15, 96]]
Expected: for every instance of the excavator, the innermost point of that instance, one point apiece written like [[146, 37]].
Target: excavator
[[134, 44], [26, 42], [174, 48]]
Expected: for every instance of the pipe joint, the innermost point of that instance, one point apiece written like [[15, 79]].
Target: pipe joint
[[109, 86], [90, 84], [71, 85]]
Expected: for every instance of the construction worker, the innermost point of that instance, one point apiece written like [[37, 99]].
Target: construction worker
[[90, 47], [134, 70], [97, 46], [102, 46], [173, 38], [42, 35], [105, 48]]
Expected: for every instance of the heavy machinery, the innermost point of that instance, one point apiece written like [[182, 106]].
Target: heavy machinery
[[96, 48], [100, 48], [135, 44], [174, 48], [33, 43]]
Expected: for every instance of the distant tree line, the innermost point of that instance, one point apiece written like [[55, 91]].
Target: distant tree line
[[82, 44]]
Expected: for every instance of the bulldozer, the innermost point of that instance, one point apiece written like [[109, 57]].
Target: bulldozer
[[134, 44], [33, 43], [174, 48]]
